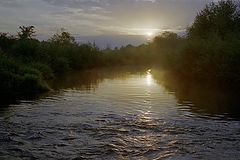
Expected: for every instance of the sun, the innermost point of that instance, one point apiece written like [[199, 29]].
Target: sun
[[149, 33]]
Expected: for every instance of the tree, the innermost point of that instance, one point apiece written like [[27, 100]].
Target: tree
[[64, 38], [6, 41], [26, 33], [215, 19], [169, 35], [167, 40]]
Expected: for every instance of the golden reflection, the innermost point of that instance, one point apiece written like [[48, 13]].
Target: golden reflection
[[149, 78]]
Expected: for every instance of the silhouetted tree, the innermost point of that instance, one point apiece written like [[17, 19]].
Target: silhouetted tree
[[63, 37], [26, 32], [167, 40], [169, 35], [2, 34]]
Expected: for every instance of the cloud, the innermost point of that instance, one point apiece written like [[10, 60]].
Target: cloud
[[90, 17], [153, 1], [10, 3], [77, 3]]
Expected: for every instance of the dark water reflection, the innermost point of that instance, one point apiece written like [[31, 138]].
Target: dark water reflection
[[122, 114], [206, 98]]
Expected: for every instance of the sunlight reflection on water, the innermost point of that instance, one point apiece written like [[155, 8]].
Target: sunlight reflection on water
[[149, 78], [128, 116]]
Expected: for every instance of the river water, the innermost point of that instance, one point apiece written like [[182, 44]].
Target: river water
[[103, 114]]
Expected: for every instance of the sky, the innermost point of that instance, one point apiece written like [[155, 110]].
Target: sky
[[101, 20]]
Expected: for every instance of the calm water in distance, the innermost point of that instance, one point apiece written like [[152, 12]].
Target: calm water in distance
[[122, 114]]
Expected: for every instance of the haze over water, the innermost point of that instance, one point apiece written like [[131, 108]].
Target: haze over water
[[124, 114]]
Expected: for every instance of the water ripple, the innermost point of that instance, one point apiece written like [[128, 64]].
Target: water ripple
[[121, 119]]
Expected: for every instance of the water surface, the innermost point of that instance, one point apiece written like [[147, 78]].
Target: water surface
[[124, 114]]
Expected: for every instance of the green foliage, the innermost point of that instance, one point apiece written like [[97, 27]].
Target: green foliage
[[211, 49], [16, 77], [166, 48], [212, 58], [45, 70], [25, 49], [26, 64], [217, 19], [6, 41], [33, 83]]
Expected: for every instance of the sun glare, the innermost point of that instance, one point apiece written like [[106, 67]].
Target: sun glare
[[149, 34], [149, 78]]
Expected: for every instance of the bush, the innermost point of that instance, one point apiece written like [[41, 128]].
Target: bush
[[16, 77], [25, 49], [45, 71], [33, 83]]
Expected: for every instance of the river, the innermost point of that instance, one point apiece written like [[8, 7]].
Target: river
[[123, 114]]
